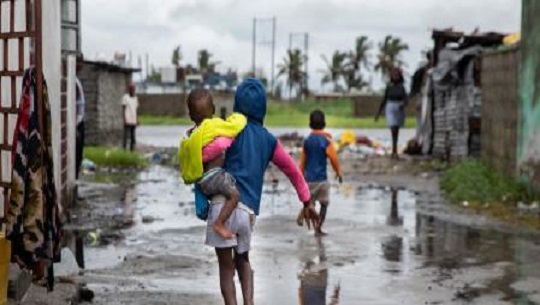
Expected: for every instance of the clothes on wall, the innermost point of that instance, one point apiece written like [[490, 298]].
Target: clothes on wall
[[33, 217]]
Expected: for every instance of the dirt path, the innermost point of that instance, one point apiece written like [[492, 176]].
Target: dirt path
[[392, 240]]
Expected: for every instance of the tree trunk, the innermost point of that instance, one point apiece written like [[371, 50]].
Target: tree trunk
[[290, 92]]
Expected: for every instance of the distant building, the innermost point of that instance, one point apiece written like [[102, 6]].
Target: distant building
[[104, 85]]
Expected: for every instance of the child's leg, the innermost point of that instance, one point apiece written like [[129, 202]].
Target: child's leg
[[245, 273], [322, 215], [324, 200], [228, 207], [226, 275]]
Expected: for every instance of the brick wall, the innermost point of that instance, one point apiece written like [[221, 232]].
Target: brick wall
[[500, 109], [103, 93], [112, 87]]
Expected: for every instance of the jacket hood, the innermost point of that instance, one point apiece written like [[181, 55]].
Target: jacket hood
[[250, 100]]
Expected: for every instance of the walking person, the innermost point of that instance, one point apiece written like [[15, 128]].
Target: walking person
[[80, 113], [246, 160], [319, 147], [393, 104], [130, 104]]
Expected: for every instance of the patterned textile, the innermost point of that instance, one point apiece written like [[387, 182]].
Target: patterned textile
[[33, 222]]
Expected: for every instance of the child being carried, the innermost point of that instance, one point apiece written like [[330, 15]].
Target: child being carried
[[202, 154]]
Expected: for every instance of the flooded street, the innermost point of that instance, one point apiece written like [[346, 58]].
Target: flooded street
[[168, 136], [387, 244]]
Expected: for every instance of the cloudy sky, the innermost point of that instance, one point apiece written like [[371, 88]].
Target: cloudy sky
[[224, 27]]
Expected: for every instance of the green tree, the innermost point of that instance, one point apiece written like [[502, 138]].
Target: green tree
[[335, 69], [389, 56], [154, 76], [205, 63], [292, 68], [358, 59], [177, 56]]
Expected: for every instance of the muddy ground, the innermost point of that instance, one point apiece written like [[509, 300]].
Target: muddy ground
[[392, 240]]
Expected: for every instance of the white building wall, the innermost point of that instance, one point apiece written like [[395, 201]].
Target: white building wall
[[52, 66]]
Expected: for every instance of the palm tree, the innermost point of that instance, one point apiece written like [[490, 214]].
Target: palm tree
[[335, 69], [177, 56], [354, 79], [292, 68], [357, 59], [390, 55], [205, 63]]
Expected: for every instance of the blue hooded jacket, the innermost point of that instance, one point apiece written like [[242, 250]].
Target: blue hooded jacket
[[251, 152]]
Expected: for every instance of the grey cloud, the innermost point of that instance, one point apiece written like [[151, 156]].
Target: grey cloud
[[227, 24]]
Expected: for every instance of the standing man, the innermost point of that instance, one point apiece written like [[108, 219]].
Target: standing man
[[80, 112], [130, 104]]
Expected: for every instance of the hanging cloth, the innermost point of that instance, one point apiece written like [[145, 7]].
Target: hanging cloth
[[33, 223]]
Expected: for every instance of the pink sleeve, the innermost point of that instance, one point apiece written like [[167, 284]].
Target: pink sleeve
[[286, 164], [215, 148]]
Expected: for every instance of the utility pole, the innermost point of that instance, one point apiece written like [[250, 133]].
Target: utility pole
[[273, 54], [306, 52], [305, 36], [147, 66], [271, 42], [253, 55]]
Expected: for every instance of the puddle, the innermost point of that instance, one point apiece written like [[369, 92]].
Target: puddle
[[381, 249]]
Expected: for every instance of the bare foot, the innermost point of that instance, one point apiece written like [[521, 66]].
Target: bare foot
[[222, 231], [320, 233]]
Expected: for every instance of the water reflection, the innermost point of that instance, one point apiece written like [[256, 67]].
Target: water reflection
[[394, 219], [314, 280], [454, 248], [392, 246]]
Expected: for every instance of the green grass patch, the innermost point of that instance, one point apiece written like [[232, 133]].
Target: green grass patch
[[114, 157], [339, 114], [490, 193], [163, 120], [473, 180]]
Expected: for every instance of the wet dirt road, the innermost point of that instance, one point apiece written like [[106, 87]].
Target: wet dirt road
[[167, 136], [385, 246]]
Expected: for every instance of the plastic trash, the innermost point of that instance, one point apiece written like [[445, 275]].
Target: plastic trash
[[88, 165]]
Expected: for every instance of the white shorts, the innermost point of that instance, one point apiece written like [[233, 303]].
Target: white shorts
[[240, 224]]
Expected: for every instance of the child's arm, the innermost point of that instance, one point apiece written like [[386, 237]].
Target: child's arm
[[286, 164], [302, 164], [216, 148], [334, 160]]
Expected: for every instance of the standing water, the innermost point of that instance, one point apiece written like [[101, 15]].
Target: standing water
[[385, 246]]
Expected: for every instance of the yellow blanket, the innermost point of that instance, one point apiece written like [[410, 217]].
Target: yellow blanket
[[190, 152]]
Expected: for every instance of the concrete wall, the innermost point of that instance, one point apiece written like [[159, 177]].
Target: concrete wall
[[103, 91], [175, 104], [528, 148], [52, 69], [367, 106], [162, 104], [500, 109], [112, 87]]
